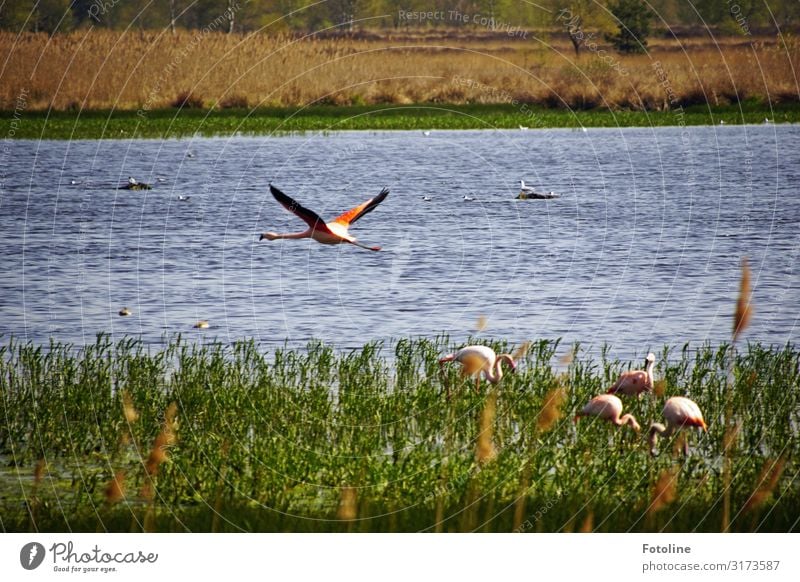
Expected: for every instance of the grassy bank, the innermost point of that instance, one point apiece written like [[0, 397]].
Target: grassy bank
[[188, 122], [123, 437]]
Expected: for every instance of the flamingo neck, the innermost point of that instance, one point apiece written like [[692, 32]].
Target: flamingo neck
[[649, 370], [495, 373], [657, 429], [294, 235], [628, 419]]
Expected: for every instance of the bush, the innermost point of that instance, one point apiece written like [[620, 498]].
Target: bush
[[633, 20], [188, 100]]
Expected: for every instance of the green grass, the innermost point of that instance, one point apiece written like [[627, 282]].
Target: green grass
[[268, 441], [173, 123]]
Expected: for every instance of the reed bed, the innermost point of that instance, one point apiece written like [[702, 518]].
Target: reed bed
[[148, 70], [184, 437]]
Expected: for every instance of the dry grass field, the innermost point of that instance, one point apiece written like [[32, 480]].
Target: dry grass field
[[152, 70]]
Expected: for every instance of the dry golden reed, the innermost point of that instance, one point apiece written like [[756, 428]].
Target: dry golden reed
[[551, 412], [482, 324], [521, 351], [165, 438], [142, 70], [744, 309], [348, 504], [115, 489], [767, 483], [664, 491], [128, 409], [38, 471], [588, 523], [484, 449]]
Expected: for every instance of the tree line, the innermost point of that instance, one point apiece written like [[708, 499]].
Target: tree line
[[346, 16]]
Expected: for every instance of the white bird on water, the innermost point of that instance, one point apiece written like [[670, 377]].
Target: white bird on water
[[525, 189]]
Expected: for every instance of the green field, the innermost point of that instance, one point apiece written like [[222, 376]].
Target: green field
[[172, 123], [231, 438]]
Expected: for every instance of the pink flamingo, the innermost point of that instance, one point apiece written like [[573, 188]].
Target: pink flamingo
[[634, 382], [331, 233], [680, 413], [608, 407], [480, 359]]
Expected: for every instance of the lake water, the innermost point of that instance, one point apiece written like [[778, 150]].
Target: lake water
[[642, 249]]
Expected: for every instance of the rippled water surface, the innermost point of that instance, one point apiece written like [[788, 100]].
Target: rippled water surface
[[642, 249]]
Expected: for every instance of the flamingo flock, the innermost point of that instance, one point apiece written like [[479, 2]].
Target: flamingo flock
[[679, 412]]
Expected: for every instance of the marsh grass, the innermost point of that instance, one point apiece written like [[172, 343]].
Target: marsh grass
[[148, 70], [367, 440]]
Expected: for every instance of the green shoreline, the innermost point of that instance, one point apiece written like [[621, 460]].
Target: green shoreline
[[172, 123], [122, 436]]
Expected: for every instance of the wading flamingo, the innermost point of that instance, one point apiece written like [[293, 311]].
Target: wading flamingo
[[634, 382], [331, 233], [679, 413], [480, 359], [608, 407]]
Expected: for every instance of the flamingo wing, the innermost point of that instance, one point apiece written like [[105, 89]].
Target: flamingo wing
[[631, 383], [349, 217], [310, 217], [681, 411], [604, 406]]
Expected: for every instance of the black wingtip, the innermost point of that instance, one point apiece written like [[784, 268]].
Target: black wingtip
[[275, 192]]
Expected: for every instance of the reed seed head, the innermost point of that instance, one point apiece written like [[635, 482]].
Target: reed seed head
[[551, 412], [482, 324], [664, 491], [744, 309], [767, 483], [128, 409], [115, 490], [348, 504], [484, 450]]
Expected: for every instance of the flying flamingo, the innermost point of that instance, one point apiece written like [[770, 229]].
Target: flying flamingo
[[634, 382], [608, 407], [331, 233], [480, 359], [680, 413]]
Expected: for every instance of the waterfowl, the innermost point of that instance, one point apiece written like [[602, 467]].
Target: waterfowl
[[133, 184], [608, 407], [477, 360], [634, 382], [680, 413], [331, 233]]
